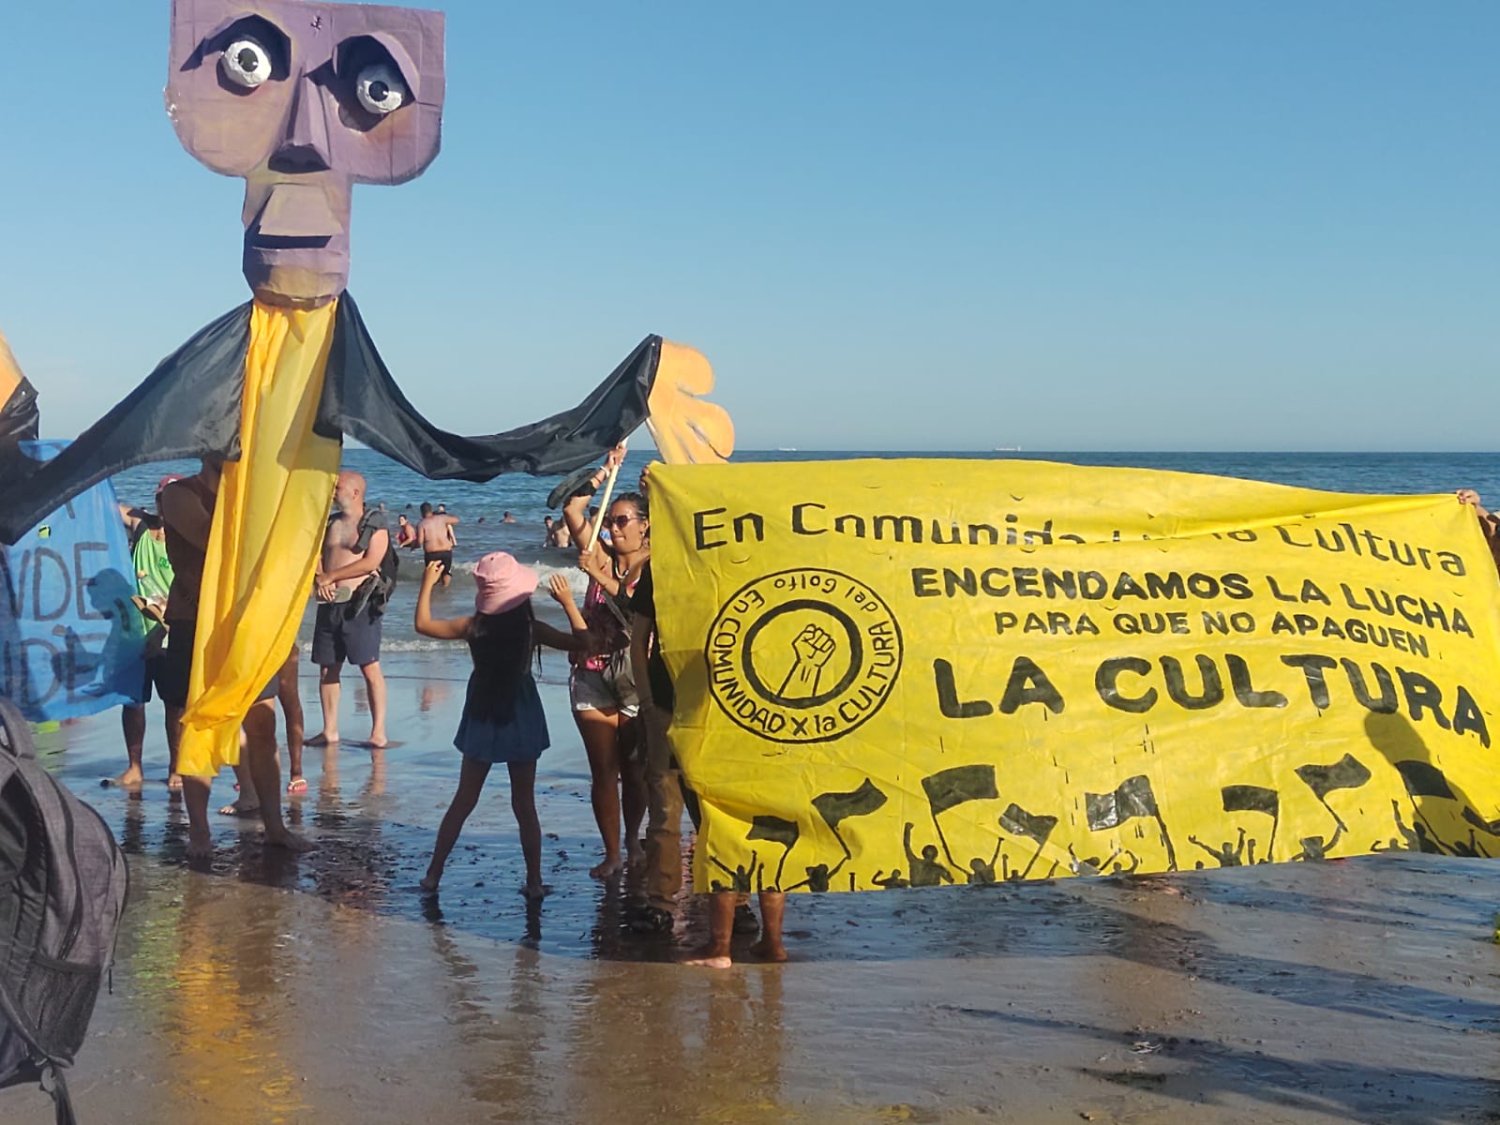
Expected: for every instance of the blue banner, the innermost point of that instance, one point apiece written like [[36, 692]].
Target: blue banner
[[71, 641]]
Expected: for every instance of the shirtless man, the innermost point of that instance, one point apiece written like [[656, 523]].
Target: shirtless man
[[435, 537], [187, 511], [556, 534], [347, 628]]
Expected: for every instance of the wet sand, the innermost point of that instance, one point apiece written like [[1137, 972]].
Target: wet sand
[[326, 988]]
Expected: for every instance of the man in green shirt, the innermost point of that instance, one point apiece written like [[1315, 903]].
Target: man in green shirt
[[153, 579]]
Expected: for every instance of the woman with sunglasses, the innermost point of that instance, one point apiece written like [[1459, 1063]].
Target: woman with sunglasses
[[601, 687]]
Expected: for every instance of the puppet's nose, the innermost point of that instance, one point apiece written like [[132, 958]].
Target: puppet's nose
[[304, 148]]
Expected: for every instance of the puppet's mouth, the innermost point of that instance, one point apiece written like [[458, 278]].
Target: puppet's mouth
[[298, 216], [289, 241]]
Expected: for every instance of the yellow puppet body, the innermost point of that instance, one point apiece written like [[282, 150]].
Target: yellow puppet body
[[267, 531]]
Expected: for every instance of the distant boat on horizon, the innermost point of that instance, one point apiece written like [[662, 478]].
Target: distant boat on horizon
[[786, 449], [1007, 449]]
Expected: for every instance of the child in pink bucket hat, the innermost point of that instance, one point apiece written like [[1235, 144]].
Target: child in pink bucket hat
[[502, 718], [503, 583]]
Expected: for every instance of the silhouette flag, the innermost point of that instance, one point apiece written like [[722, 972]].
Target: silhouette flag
[[1424, 780], [1490, 826], [947, 789], [1251, 798], [1346, 773], [1018, 822], [1254, 798], [779, 831], [1132, 798], [775, 829], [835, 808]]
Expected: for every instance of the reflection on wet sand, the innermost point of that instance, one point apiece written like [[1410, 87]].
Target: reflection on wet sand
[[325, 988], [224, 1018]]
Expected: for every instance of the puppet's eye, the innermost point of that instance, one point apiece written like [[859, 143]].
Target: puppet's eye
[[246, 63], [379, 89]]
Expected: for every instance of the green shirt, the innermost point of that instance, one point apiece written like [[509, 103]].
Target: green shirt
[[153, 570]]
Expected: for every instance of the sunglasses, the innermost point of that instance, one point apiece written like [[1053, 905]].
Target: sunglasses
[[620, 523]]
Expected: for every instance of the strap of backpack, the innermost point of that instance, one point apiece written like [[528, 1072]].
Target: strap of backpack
[[56, 1085], [15, 732], [367, 528]]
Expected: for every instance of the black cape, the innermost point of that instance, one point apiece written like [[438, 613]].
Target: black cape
[[190, 406]]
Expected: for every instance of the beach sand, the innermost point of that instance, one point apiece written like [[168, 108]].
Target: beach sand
[[325, 988]]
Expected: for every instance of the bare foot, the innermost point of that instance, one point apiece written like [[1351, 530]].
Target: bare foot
[[321, 739], [535, 892], [611, 866], [130, 779], [174, 783], [240, 807], [710, 959], [429, 883], [378, 740], [200, 844], [289, 840], [768, 950]]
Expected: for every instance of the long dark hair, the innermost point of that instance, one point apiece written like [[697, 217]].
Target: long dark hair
[[501, 646]]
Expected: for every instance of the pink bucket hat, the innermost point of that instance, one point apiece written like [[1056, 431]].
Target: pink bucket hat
[[503, 583]]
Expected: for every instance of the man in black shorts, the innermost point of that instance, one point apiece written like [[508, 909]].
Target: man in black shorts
[[435, 537], [348, 624]]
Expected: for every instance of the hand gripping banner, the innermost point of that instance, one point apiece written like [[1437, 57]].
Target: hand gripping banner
[[917, 673]]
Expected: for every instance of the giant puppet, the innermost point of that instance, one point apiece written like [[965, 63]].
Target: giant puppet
[[304, 100]]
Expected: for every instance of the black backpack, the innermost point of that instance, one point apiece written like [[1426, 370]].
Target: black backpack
[[63, 883], [384, 583]]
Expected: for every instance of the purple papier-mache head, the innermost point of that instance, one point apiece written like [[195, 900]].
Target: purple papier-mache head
[[304, 100]]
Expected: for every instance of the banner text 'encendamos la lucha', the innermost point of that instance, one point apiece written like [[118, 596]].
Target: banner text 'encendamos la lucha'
[[917, 672]]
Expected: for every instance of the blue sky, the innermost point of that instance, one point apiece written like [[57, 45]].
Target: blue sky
[[890, 226]]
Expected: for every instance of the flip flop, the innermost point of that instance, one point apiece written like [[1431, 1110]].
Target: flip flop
[[296, 786], [578, 483]]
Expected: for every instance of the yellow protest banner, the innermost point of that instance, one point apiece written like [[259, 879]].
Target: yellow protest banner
[[925, 672]]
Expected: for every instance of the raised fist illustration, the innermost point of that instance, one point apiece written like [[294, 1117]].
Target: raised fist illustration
[[811, 650]]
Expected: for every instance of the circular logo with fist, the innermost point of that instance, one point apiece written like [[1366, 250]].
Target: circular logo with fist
[[803, 655]]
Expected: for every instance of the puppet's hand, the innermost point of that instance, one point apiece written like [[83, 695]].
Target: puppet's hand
[[687, 428]]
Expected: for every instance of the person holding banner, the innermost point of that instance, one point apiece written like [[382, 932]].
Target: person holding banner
[[153, 581], [187, 510], [602, 690], [664, 789], [1489, 523]]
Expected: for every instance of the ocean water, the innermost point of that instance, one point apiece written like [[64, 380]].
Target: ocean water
[[481, 507]]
